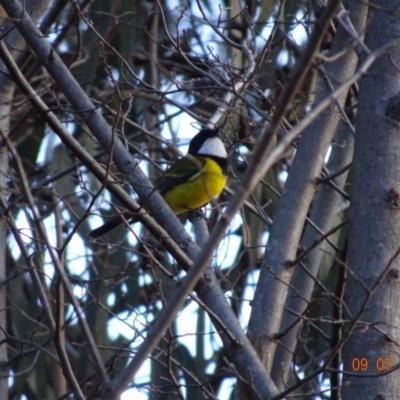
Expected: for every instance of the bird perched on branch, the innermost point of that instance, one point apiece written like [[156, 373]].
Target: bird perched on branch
[[191, 182]]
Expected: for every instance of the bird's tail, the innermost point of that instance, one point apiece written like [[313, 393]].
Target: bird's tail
[[110, 225]]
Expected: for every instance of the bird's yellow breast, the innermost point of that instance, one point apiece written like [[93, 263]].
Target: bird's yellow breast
[[198, 191]]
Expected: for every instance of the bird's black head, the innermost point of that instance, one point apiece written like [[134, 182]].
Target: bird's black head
[[207, 142]]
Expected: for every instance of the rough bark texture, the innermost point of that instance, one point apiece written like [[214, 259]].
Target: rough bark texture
[[372, 291]]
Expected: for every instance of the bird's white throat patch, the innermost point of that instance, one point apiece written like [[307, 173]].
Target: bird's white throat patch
[[213, 147]]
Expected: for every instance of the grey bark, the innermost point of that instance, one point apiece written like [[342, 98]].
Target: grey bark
[[288, 224], [372, 290], [243, 355], [324, 209]]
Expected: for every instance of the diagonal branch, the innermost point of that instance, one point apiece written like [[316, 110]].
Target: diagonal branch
[[243, 355]]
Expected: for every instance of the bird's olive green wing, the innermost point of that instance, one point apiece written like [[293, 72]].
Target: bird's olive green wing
[[181, 171]]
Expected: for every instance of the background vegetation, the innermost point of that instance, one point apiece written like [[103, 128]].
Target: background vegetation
[[293, 292]]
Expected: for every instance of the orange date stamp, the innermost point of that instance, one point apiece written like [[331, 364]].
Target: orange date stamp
[[363, 364]]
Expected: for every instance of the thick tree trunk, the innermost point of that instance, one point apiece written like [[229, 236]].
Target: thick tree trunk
[[372, 291]]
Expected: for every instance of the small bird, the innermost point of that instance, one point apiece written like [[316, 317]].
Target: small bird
[[191, 182]]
